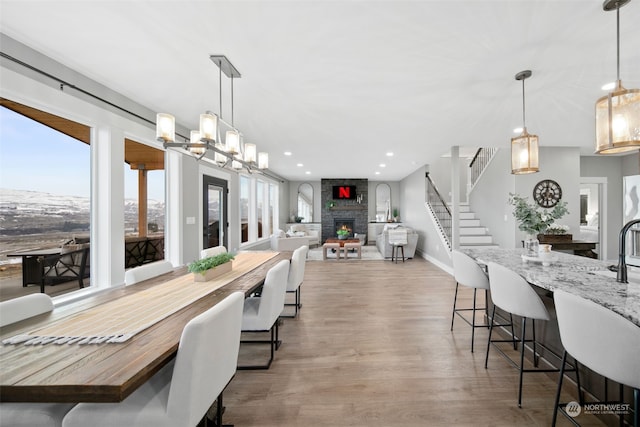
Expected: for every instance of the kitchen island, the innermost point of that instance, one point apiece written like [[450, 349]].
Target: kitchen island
[[585, 277]]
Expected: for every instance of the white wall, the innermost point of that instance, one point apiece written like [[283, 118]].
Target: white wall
[[413, 197]]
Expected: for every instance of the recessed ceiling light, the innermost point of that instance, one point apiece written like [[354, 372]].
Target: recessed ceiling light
[[609, 86], [382, 165], [287, 153], [300, 165], [389, 154], [517, 130], [377, 173], [308, 172]]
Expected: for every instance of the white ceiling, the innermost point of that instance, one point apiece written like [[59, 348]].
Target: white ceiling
[[341, 83]]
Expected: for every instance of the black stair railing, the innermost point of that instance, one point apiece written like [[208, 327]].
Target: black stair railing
[[440, 208]]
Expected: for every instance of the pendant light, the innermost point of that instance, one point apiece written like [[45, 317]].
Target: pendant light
[[524, 148], [618, 113]]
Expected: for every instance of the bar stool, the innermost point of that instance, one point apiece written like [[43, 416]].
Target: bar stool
[[512, 293], [468, 273], [397, 240], [601, 340]]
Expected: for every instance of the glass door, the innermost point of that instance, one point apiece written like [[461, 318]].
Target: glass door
[[215, 212]]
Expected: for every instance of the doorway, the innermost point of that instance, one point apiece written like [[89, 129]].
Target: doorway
[[214, 218], [593, 213]]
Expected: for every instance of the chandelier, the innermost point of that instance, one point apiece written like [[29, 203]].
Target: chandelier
[[230, 152], [524, 148], [618, 113]]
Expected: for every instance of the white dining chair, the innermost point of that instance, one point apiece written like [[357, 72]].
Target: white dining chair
[[147, 271], [468, 273], [599, 339], [29, 414], [296, 277], [181, 393], [261, 313], [209, 252], [17, 309], [513, 294]]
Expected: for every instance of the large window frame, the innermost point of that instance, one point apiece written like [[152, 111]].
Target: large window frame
[[261, 197]]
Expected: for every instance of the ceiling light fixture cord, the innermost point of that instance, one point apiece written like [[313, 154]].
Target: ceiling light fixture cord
[[524, 123], [232, 124], [220, 84], [618, 40]]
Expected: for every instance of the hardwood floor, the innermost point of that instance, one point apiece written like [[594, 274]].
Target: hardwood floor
[[372, 347]]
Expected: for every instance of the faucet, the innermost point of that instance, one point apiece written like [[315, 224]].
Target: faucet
[[622, 248]]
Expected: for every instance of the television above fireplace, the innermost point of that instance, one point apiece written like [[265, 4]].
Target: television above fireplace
[[344, 192]]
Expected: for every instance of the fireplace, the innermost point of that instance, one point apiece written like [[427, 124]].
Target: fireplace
[[344, 224]]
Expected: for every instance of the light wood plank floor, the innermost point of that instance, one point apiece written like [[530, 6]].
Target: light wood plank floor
[[372, 347]]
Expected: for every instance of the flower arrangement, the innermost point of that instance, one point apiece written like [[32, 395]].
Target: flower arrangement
[[532, 219]]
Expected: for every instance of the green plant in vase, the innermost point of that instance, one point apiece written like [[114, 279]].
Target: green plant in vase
[[534, 220], [207, 268], [343, 233]]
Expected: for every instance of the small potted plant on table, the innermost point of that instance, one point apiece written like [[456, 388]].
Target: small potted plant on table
[[211, 267], [343, 233]]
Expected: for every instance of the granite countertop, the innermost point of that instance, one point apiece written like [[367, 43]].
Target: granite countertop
[[585, 277]]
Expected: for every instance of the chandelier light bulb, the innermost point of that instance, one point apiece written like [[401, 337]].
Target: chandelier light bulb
[[208, 127], [165, 127]]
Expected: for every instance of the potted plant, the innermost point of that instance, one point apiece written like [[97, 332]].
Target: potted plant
[[208, 268], [396, 216], [343, 233], [533, 220]]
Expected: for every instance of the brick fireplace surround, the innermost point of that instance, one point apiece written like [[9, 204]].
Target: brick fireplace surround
[[344, 209]]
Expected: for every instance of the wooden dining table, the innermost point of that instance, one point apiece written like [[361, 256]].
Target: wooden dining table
[[107, 372]]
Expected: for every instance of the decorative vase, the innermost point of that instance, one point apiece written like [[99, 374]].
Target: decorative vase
[[213, 273], [531, 245], [342, 236]]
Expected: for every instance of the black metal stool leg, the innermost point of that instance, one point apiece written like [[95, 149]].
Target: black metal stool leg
[[453, 313], [524, 323]]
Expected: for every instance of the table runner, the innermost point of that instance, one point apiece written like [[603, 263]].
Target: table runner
[[113, 321]]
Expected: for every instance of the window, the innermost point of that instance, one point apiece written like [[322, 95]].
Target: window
[[45, 170], [244, 208], [258, 208]]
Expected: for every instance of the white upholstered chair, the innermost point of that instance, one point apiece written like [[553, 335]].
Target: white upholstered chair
[[468, 273], [147, 271], [296, 276], [216, 250], [513, 294], [17, 309], [180, 393], [261, 313], [397, 240], [27, 414], [601, 340]]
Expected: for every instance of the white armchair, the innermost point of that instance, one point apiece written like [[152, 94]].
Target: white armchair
[[301, 230], [281, 242]]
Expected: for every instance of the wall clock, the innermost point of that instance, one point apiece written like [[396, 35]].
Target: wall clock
[[547, 193]]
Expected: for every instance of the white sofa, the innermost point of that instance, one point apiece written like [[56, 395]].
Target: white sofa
[[385, 248], [300, 230], [281, 242]]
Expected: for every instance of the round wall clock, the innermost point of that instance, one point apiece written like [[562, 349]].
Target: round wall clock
[[547, 193]]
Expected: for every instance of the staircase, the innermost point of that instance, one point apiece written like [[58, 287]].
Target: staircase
[[472, 233]]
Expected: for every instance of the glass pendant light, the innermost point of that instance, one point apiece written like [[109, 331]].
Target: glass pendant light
[[618, 113]]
